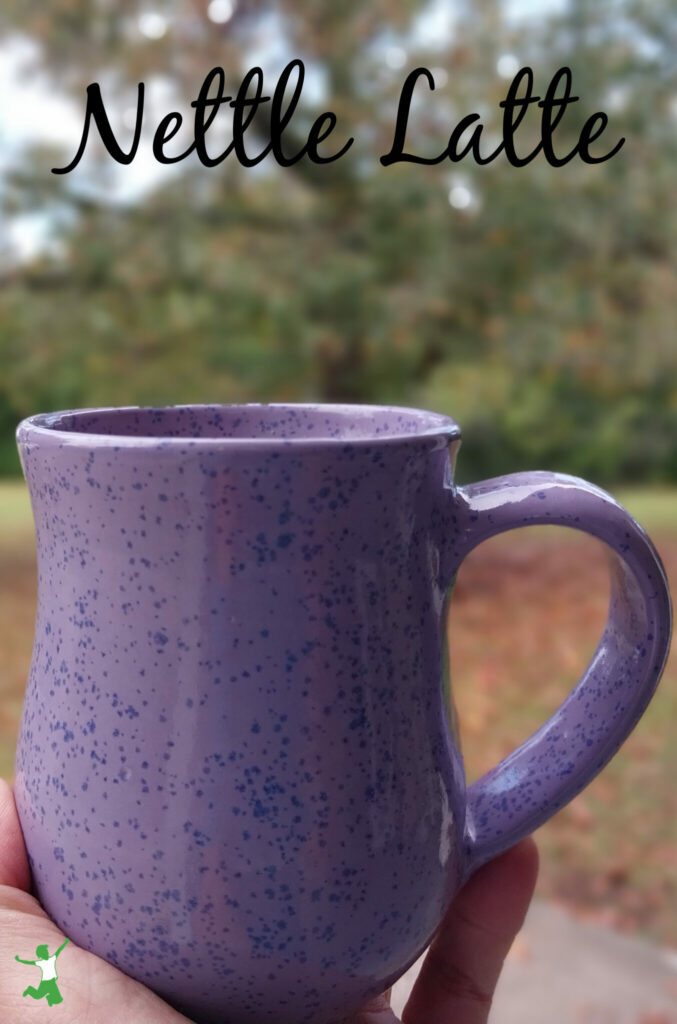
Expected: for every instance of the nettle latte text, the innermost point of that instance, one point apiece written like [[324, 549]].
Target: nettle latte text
[[261, 125]]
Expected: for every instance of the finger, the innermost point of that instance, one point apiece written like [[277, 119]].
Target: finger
[[377, 1011], [460, 971], [383, 1016], [14, 868]]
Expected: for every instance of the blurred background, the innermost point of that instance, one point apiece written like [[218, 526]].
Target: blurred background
[[536, 305]]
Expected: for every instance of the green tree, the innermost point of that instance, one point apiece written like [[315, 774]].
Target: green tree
[[541, 314]]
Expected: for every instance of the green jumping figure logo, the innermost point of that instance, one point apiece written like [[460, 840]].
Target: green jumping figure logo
[[48, 986]]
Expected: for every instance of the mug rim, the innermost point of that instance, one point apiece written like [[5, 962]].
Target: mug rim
[[46, 429]]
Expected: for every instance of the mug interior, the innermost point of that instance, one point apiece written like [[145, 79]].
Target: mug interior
[[286, 422]]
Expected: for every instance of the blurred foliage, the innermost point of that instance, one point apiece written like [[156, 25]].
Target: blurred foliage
[[542, 315]]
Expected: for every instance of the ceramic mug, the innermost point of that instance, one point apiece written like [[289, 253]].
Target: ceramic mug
[[237, 772]]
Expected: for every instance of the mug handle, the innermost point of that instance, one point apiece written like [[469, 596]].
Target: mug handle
[[566, 753]]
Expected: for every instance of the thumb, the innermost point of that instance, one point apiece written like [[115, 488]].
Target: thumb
[[14, 869]]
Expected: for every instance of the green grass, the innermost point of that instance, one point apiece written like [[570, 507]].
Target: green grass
[[653, 507], [16, 521]]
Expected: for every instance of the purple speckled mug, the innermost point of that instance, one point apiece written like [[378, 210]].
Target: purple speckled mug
[[238, 773]]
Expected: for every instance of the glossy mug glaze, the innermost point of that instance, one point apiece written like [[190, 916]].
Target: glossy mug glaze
[[238, 774]]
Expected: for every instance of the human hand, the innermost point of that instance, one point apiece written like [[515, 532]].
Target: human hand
[[455, 985], [98, 993]]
